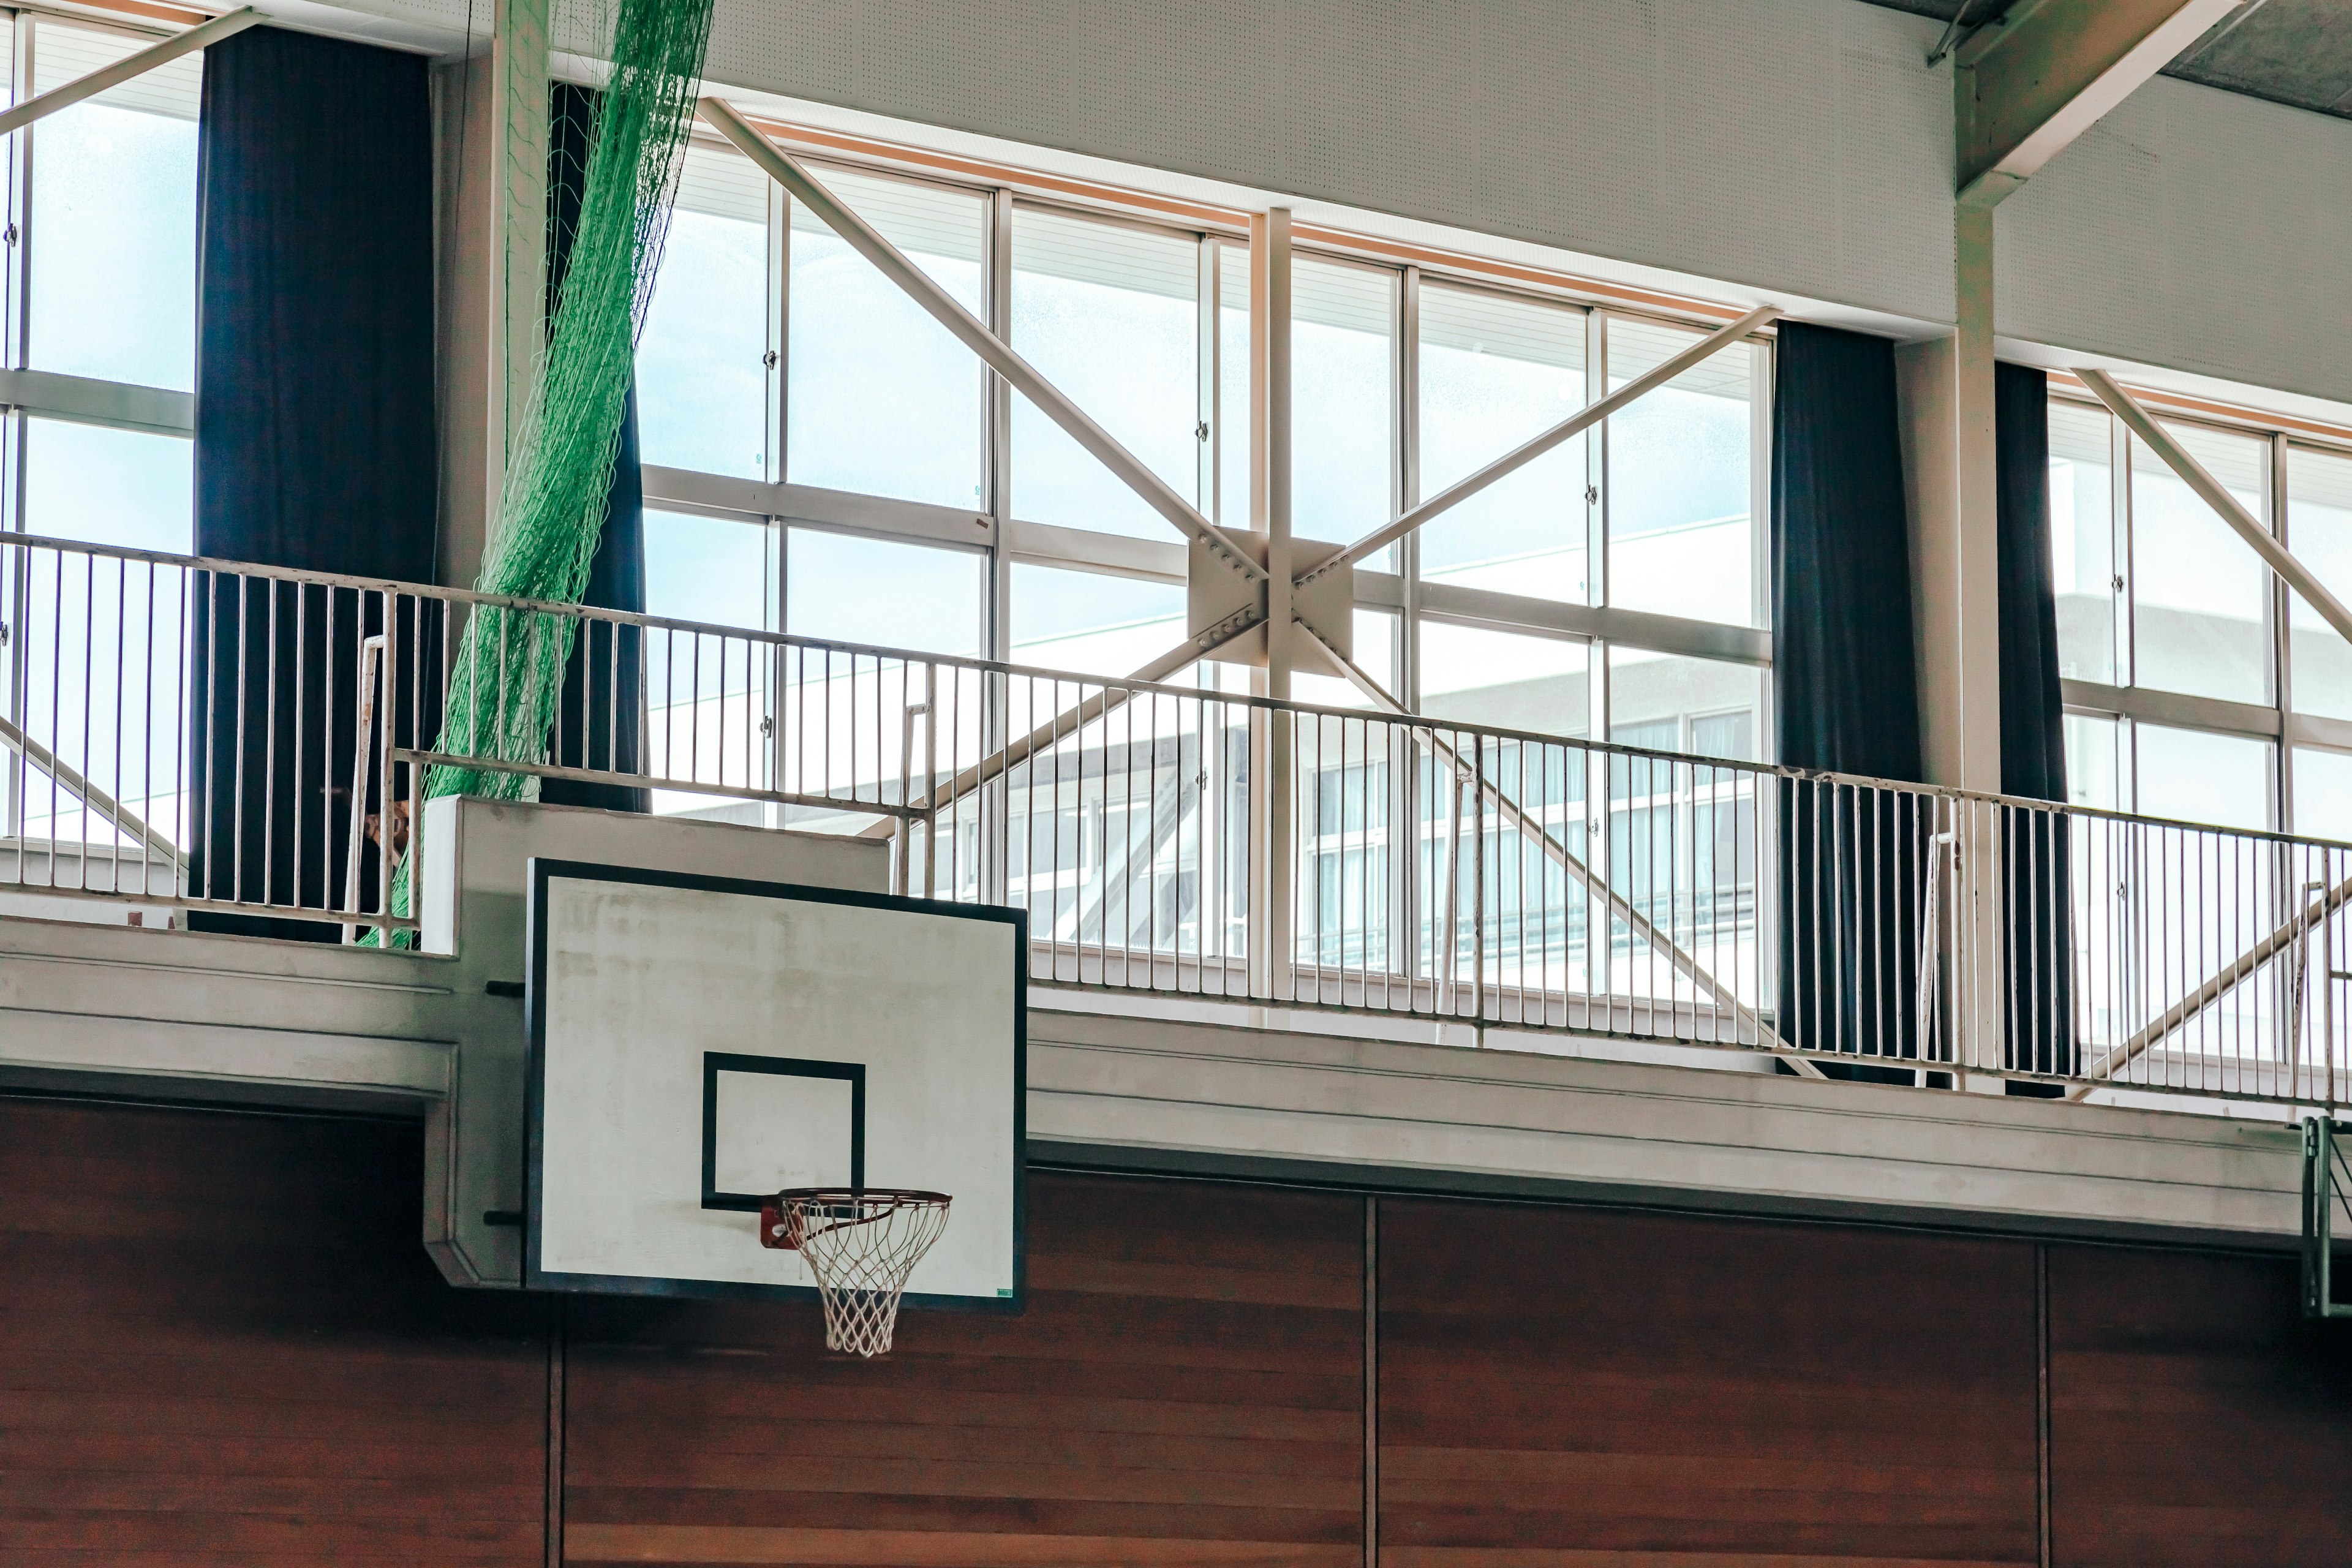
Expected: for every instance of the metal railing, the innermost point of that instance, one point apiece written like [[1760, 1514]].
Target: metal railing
[[224, 738]]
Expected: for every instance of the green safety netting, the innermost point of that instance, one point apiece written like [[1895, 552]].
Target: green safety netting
[[509, 671]]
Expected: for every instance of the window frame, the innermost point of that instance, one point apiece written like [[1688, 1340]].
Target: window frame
[[2276, 724], [28, 394], [1009, 539]]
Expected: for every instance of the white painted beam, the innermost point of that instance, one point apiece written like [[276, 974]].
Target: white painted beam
[[2213, 493], [1177, 1095], [969, 331], [130, 68], [2031, 82]]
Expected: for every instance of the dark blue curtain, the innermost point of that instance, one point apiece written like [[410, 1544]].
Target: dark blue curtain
[[599, 721], [2036, 888], [314, 442], [1845, 699]]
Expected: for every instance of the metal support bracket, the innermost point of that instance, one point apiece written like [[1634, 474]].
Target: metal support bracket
[[2327, 1186]]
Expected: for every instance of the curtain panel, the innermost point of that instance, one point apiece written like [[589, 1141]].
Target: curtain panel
[[314, 448], [2037, 887], [1846, 698]]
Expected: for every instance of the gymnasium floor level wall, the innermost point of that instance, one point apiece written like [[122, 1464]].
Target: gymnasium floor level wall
[[220, 1342]]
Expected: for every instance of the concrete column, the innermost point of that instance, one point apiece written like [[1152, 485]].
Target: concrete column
[[491, 119], [1946, 387], [1270, 473]]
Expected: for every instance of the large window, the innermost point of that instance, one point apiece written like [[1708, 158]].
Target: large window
[[1611, 590], [98, 372], [2190, 673], [1632, 551]]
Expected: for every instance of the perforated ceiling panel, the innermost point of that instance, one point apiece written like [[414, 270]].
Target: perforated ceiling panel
[[1801, 145], [2191, 228]]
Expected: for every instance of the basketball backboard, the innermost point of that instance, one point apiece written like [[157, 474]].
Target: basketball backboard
[[698, 1043]]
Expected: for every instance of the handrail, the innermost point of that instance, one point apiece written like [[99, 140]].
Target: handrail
[[1152, 829], [998, 667], [92, 796]]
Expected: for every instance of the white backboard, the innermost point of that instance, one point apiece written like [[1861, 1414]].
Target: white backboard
[[698, 1043]]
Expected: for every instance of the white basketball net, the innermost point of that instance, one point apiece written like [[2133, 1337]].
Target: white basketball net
[[861, 1247]]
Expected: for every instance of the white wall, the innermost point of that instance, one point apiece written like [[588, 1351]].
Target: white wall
[[1800, 144], [1795, 147], [2200, 230]]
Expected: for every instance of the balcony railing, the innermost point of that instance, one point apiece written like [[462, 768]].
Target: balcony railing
[[207, 736]]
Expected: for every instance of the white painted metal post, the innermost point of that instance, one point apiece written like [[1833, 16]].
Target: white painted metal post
[[1270, 476], [1946, 386], [492, 306]]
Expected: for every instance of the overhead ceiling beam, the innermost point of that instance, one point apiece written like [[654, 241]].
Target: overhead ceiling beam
[[2048, 70]]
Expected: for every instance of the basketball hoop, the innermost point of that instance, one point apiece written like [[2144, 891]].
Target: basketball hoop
[[861, 1246]]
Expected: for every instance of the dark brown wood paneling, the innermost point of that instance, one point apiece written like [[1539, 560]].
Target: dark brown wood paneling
[[1185, 1388], [2195, 1419], [1573, 1387], [221, 1342]]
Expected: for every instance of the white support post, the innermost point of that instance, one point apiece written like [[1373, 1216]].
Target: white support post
[[1946, 387], [1270, 476], [493, 110]]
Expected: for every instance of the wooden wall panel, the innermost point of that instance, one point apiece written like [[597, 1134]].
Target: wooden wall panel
[[2195, 1419], [221, 1342], [1574, 1387], [1185, 1388]]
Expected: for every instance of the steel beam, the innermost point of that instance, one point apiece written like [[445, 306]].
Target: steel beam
[[1067, 722], [203, 35], [2176, 457], [1519, 457], [1510, 812], [2047, 70], [999, 355], [2101, 1072]]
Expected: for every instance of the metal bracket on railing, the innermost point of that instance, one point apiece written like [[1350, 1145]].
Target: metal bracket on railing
[[2327, 1186]]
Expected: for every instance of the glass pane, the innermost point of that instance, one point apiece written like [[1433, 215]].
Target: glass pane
[[1504, 679], [1375, 655], [1681, 538], [112, 487], [1664, 702], [1342, 416], [111, 269], [1232, 386], [2083, 540], [1090, 623], [117, 725], [2320, 531], [2094, 757], [882, 399], [702, 384], [709, 569], [847, 589], [2322, 793], [2199, 595], [705, 695], [1110, 314], [1494, 372], [2189, 775]]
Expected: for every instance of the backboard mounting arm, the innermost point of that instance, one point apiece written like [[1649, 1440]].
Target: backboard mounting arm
[[2326, 1189]]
